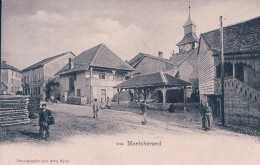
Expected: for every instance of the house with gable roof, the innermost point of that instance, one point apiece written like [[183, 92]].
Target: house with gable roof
[[36, 76], [10, 78], [93, 74], [147, 64], [241, 71]]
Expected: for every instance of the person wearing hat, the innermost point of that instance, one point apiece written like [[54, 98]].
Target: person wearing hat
[[95, 108], [44, 121]]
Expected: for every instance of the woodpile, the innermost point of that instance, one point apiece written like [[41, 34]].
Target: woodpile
[[34, 106], [74, 100], [14, 110], [77, 100]]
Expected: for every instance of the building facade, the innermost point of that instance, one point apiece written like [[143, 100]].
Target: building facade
[[36, 76], [148, 64], [241, 71], [11, 78], [93, 74]]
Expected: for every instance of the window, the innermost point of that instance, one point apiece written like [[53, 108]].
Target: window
[[12, 81], [102, 75], [12, 89], [78, 93], [75, 77], [228, 67]]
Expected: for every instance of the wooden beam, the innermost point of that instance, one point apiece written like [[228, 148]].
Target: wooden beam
[[118, 93], [185, 98]]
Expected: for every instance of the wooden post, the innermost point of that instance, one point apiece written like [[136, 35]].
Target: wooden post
[[185, 98], [164, 92], [114, 74], [234, 71], [1, 50], [118, 92], [138, 95], [222, 73], [145, 94], [90, 95]]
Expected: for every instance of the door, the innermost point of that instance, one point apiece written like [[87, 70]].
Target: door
[[103, 94], [71, 86]]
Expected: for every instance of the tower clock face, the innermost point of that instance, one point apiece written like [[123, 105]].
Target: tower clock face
[[187, 47]]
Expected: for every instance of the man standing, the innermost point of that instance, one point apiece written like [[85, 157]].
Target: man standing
[[44, 116], [95, 108], [108, 103], [143, 107]]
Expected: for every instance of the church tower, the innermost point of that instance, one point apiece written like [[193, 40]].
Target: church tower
[[190, 40]]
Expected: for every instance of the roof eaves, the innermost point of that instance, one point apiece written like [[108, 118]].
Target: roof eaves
[[138, 61], [187, 56], [157, 58]]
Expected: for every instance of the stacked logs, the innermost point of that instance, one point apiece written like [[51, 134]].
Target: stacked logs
[[14, 110], [34, 107]]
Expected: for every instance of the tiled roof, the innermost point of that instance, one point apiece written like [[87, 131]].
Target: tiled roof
[[152, 80], [134, 61], [98, 56], [7, 66], [45, 61], [179, 58], [239, 38], [190, 37]]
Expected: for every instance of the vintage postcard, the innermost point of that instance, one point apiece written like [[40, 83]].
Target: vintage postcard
[[121, 82]]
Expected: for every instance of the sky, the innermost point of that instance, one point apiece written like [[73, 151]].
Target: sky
[[33, 30]]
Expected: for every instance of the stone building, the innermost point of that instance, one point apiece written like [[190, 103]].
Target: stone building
[[242, 71], [93, 74], [10, 78], [37, 75]]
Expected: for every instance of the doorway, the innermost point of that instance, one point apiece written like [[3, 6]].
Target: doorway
[[103, 94]]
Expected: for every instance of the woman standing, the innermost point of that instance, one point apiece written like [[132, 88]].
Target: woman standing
[[207, 118]]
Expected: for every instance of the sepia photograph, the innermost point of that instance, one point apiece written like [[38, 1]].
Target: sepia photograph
[[125, 82]]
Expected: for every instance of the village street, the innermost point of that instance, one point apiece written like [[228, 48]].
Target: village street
[[77, 138]]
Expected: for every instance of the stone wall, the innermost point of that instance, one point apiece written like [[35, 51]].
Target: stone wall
[[240, 112]]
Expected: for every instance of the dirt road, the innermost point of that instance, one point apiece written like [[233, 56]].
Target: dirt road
[[117, 137]]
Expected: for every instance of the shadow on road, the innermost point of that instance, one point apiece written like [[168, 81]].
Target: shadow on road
[[31, 134]]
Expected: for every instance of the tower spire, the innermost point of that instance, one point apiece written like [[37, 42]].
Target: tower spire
[[189, 8]]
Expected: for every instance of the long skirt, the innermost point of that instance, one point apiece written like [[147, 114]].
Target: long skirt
[[207, 120]]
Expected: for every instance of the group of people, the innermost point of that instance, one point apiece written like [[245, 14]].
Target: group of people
[[46, 119]]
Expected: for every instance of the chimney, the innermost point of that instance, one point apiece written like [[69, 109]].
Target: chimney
[[70, 63], [160, 54]]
